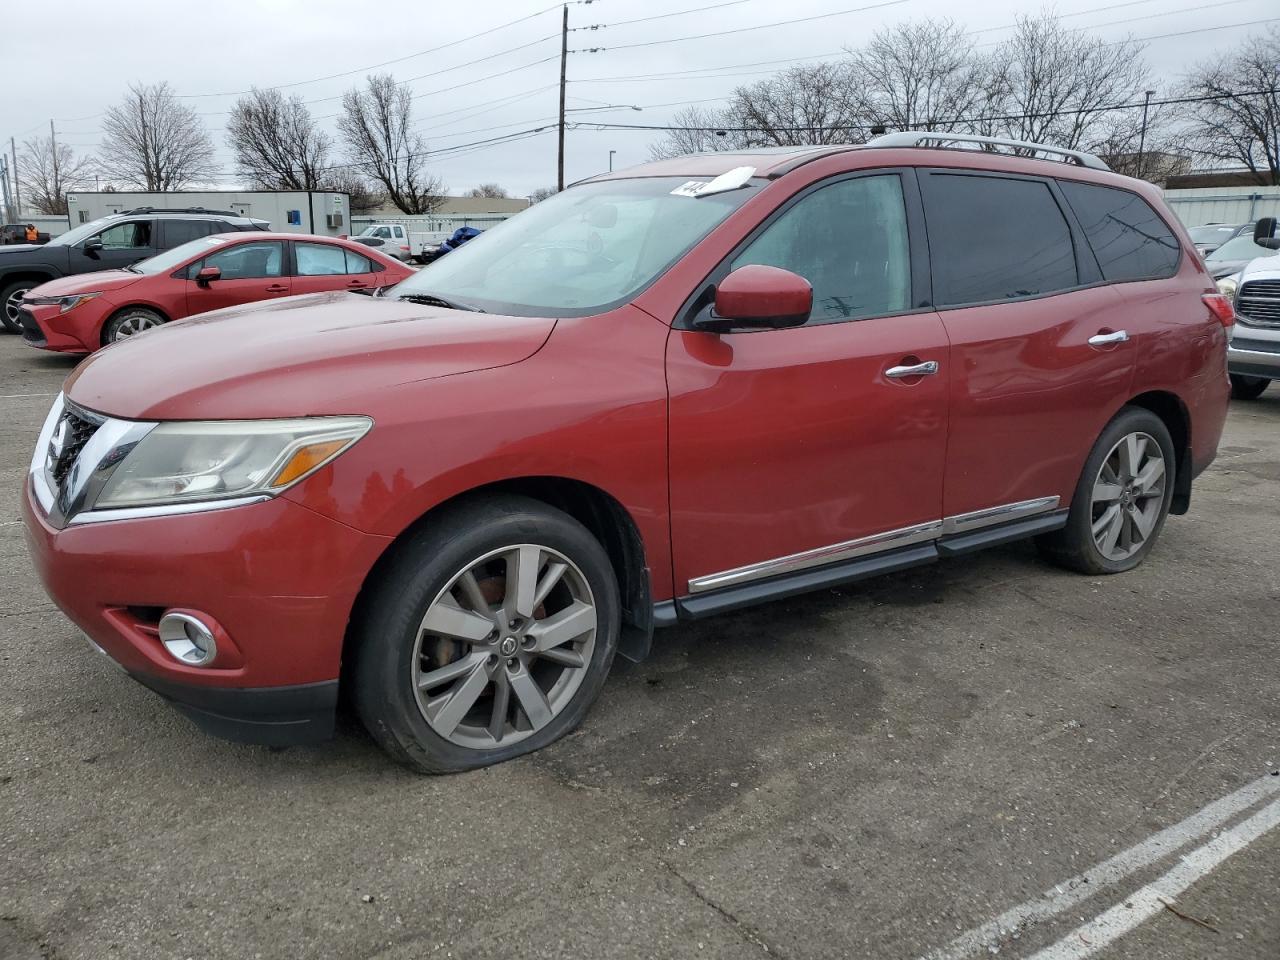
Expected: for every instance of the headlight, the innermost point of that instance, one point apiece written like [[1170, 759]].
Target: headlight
[[220, 460], [64, 303], [1227, 286]]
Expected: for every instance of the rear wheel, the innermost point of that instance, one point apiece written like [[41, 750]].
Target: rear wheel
[[129, 322], [11, 297], [1247, 388], [1122, 498], [487, 636]]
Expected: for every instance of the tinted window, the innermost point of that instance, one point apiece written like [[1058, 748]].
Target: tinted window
[[849, 240], [1129, 239], [993, 238], [246, 261], [177, 232], [319, 259], [127, 236]]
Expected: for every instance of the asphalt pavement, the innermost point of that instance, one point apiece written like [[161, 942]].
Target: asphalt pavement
[[987, 756]]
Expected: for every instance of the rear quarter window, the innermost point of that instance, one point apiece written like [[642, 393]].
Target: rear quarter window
[[1128, 237]]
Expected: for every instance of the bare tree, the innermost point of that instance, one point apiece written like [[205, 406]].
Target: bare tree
[[1238, 122], [364, 193], [153, 141], [800, 105], [921, 75], [276, 142], [1155, 153], [47, 172], [695, 130], [489, 191], [542, 193], [1052, 82], [375, 126]]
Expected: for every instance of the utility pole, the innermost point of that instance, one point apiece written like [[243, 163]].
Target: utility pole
[[611, 153], [53, 149], [17, 198], [1142, 139], [564, 59], [9, 213]]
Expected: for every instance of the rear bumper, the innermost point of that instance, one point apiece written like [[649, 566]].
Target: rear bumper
[[269, 716], [1252, 356]]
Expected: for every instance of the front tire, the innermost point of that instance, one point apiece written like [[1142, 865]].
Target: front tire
[[129, 322], [1121, 500], [486, 635], [11, 300], [1247, 388]]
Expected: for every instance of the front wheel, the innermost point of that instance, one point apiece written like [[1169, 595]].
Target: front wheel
[[11, 297], [129, 322], [1121, 500], [487, 635], [1247, 388]]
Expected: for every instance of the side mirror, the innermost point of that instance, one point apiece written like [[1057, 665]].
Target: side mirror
[[93, 246], [1264, 233], [207, 275], [762, 297]]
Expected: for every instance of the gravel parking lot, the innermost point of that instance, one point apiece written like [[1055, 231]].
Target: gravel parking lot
[[952, 762]]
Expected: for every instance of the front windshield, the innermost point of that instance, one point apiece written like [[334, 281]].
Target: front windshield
[[580, 252], [171, 258], [1241, 248], [1210, 234], [79, 233]]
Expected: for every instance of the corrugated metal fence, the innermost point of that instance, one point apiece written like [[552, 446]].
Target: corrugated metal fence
[[1224, 204]]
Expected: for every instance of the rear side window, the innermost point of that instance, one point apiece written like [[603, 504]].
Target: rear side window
[[358, 264], [1128, 237], [178, 232], [994, 238]]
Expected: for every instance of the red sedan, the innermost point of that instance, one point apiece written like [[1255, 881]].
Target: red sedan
[[84, 313]]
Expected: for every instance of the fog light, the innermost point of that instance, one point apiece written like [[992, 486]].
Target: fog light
[[187, 639]]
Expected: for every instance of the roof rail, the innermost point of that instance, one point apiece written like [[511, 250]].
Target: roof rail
[[924, 138], [216, 213]]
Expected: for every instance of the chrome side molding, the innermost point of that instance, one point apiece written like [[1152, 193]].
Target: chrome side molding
[[875, 543]]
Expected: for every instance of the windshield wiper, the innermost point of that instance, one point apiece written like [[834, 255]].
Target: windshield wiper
[[431, 300], [132, 269]]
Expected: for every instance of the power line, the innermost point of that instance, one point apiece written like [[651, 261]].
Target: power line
[[660, 16], [762, 26], [1148, 16]]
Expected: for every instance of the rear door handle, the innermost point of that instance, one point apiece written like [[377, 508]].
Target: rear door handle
[[924, 369], [1103, 339], [277, 288]]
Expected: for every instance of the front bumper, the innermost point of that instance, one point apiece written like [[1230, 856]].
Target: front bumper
[[77, 331], [277, 578], [1253, 356]]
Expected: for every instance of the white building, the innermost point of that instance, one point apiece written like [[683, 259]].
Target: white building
[[292, 211]]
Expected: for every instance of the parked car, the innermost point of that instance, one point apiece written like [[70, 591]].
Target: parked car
[[1234, 255], [393, 239], [112, 242], [1253, 358], [1211, 236], [83, 313], [664, 393], [16, 233]]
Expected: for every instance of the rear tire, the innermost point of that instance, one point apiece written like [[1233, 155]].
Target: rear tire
[[1247, 388], [129, 322], [10, 300], [452, 671], [1121, 500]]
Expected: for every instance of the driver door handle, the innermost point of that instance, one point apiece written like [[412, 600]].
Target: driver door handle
[[927, 368], [1103, 339]]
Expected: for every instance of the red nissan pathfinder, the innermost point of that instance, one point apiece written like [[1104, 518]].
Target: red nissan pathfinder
[[666, 392]]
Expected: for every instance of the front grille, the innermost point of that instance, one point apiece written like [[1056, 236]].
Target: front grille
[[69, 437], [1258, 303], [31, 331]]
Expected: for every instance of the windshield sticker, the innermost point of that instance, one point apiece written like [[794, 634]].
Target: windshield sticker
[[689, 188], [729, 180]]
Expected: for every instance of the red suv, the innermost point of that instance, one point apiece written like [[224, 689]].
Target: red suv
[[87, 311], [666, 392]]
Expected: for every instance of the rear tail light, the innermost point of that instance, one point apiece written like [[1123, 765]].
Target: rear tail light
[[403, 247], [1221, 309]]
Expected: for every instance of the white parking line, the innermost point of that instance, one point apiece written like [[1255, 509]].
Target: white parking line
[[1083, 886], [25, 396], [1107, 927]]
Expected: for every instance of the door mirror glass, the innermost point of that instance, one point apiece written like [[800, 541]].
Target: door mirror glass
[[206, 275], [1264, 233], [93, 246], [761, 296]]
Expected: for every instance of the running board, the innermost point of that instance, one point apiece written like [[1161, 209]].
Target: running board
[[697, 606]]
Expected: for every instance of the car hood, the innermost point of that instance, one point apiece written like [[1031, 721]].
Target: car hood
[[1225, 268], [314, 354], [87, 283], [19, 248]]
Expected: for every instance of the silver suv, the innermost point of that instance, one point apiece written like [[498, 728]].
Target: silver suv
[[1253, 357]]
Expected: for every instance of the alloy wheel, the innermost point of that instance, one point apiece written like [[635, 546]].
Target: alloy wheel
[[13, 304], [1128, 496], [502, 650], [133, 324]]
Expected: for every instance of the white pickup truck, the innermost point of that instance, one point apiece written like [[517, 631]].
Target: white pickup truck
[[403, 244], [1253, 356]]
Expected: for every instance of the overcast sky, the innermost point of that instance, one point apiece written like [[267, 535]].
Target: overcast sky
[[72, 60]]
